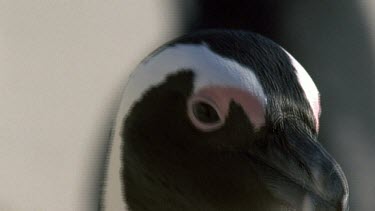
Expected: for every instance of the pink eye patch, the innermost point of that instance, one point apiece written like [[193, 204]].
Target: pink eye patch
[[218, 98]]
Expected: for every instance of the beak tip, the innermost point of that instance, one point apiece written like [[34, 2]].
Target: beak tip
[[331, 185]]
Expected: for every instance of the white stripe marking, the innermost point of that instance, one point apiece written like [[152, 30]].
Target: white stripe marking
[[309, 87]]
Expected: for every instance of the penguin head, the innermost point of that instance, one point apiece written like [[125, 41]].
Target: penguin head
[[224, 120]]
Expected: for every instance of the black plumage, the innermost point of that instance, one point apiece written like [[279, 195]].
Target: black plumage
[[169, 164]]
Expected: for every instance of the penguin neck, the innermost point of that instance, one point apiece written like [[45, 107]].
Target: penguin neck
[[148, 188], [145, 190]]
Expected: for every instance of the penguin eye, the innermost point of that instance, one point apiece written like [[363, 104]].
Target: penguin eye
[[204, 114]]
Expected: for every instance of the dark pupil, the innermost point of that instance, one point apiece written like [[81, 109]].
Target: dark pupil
[[205, 113]]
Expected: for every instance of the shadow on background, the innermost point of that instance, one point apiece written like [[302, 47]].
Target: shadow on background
[[332, 41]]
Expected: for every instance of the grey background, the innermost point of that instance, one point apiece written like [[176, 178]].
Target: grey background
[[62, 68]]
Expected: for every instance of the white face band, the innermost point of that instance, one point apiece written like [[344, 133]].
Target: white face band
[[210, 70]]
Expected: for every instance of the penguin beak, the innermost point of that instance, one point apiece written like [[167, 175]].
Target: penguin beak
[[298, 170]]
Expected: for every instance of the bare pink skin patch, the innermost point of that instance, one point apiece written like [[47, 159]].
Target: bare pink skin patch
[[219, 98]]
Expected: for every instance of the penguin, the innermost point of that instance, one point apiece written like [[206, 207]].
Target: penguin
[[221, 120]]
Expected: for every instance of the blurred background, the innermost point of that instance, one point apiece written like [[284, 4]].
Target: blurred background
[[64, 63]]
